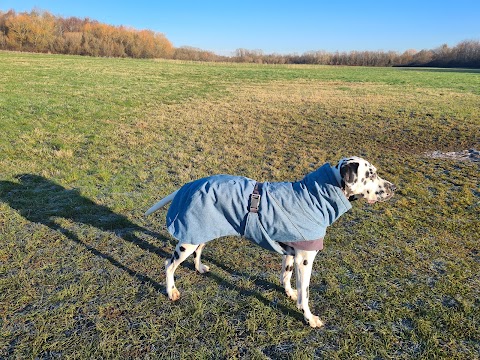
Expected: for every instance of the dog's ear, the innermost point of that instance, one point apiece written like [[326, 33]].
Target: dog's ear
[[349, 171]]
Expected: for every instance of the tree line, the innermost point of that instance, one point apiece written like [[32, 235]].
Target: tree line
[[37, 31], [465, 54], [43, 32]]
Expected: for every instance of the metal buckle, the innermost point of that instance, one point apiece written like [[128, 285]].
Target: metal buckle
[[254, 202]]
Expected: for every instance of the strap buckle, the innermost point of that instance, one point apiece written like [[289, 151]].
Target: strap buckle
[[254, 202]]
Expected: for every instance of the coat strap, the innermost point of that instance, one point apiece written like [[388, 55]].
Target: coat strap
[[255, 198]]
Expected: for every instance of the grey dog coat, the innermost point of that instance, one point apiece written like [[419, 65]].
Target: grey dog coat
[[289, 212]]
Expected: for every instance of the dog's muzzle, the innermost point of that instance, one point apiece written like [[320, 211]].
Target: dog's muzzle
[[391, 187], [389, 190]]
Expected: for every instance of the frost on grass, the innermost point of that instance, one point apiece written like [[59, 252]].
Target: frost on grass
[[464, 155]]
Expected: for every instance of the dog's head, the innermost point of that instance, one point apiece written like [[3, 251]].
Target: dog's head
[[359, 179]]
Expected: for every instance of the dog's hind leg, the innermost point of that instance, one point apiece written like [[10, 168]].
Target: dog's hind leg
[[286, 276], [202, 269], [182, 251]]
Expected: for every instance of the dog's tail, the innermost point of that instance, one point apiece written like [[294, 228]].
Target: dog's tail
[[161, 203]]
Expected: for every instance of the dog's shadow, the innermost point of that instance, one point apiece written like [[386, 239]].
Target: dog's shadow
[[43, 201]]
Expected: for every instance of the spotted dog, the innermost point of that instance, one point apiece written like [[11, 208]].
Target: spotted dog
[[290, 218]]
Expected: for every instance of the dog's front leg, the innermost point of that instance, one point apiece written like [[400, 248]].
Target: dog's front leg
[[303, 267], [286, 276]]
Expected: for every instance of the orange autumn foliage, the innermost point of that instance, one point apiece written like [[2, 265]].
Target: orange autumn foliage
[[43, 32]]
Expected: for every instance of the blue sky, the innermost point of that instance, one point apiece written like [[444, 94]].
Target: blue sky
[[278, 26]]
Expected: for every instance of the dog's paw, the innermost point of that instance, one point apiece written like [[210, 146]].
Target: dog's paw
[[174, 295], [292, 294], [315, 322], [202, 269]]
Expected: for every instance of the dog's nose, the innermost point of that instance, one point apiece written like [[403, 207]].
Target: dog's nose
[[392, 187]]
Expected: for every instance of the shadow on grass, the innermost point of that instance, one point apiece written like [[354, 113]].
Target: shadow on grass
[[440, 70], [43, 201]]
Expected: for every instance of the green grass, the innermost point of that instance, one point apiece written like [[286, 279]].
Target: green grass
[[88, 144]]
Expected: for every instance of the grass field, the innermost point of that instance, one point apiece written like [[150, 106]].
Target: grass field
[[88, 144]]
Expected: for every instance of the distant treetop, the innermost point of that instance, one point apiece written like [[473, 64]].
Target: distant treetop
[[43, 32]]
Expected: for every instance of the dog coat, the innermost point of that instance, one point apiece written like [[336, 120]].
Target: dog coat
[[291, 213]]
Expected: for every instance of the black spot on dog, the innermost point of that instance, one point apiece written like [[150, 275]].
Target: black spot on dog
[[305, 262], [367, 174], [194, 254], [176, 255], [182, 248]]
